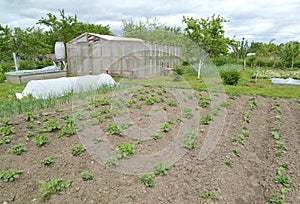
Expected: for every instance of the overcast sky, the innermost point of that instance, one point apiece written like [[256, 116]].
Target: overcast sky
[[256, 20]]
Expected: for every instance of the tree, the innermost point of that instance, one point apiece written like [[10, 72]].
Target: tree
[[208, 34], [65, 28], [290, 51]]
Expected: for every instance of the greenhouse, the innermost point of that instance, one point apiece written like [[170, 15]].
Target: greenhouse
[[130, 57]]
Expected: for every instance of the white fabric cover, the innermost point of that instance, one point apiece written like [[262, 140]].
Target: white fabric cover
[[58, 87]]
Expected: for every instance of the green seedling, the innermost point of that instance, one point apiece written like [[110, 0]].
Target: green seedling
[[229, 162], [18, 149], [275, 199], [126, 149], [159, 100], [6, 139], [187, 113], [29, 126], [281, 145], [29, 116], [147, 180], [86, 176], [160, 168], [204, 102], [41, 139], [237, 152], [126, 125], [97, 140], [6, 130], [113, 129], [51, 125], [111, 161], [276, 135], [205, 120], [189, 140], [246, 117], [279, 154], [172, 103], [47, 161], [166, 127], [283, 180], [209, 194], [156, 136], [68, 128], [284, 190], [10, 175], [54, 186], [150, 101], [77, 150]]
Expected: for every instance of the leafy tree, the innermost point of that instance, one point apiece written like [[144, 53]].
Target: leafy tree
[[289, 52], [208, 34], [64, 28]]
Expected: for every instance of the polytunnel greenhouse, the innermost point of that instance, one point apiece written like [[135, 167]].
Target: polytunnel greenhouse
[[95, 54]]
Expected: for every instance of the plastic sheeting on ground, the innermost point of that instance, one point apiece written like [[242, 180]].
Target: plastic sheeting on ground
[[59, 87], [285, 82]]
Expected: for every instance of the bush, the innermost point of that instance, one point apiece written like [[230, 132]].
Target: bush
[[230, 77]]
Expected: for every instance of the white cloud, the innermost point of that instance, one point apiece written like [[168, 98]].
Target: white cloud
[[257, 20]]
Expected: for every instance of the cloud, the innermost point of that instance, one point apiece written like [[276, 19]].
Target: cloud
[[257, 20]]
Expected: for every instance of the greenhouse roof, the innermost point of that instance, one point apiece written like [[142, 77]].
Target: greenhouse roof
[[92, 37]]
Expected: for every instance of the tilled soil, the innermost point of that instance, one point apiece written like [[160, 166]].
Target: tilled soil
[[250, 179]]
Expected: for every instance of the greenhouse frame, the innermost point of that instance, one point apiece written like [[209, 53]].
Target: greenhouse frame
[[94, 54]]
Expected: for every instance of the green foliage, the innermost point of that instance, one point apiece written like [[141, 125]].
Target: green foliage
[[150, 101], [10, 175], [47, 161], [160, 168], [147, 180], [166, 127], [277, 135], [111, 161], [284, 180], [156, 136], [41, 139], [77, 150], [275, 199], [6, 139], [229, 162], [69, 127], [172, 103], [189, 140], [209, 194], [237, 152], [126, 149], [230, 77], [246, 117], [205, 120], [6, 128], [204, 102], [208, 34], [113, 129], [54, 186], [86, 176], [51, 125], [18, 149], [187, 113], [126, 125]]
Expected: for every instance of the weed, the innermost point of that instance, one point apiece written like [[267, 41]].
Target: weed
[[156, 136], [29, 116], [86, 176], [47, 161], [10, 175], [187, 113], [209, 194], [189, 140], [40, 140], [204, 102], [113, 129], [166, 127], [18, 149], [161, 168], [51, 125], [147, 180], [54, 186], [111, 161], [237, 152], [205, 120], [77, 150], [126, 149], [126, 125]]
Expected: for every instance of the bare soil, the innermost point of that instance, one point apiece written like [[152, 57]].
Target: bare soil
[[251, 179]]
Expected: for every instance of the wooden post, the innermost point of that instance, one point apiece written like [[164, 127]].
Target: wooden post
[[16, 61]]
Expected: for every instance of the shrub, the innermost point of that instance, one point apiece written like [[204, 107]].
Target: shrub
[[230, 77]]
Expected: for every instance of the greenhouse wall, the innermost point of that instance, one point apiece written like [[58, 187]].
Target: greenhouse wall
[[96, 54]]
